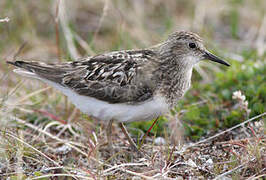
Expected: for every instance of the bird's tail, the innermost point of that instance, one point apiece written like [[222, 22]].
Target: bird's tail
[[24, 69], [39, 70]]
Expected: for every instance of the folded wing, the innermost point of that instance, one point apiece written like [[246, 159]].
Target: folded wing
[[114, 77]]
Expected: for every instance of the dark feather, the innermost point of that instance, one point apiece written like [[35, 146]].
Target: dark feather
[[115, 77]]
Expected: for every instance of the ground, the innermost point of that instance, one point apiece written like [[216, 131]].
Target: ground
[[217, 131]]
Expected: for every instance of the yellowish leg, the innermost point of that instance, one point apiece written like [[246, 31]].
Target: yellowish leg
[[109, 134], [124, 130]]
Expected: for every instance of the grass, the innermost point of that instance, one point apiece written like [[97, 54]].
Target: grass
[[43, 136]]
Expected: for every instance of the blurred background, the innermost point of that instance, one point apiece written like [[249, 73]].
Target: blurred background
[[231, 26], [57, 31]]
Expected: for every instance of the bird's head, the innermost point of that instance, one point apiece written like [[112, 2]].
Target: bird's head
[[186, 48]]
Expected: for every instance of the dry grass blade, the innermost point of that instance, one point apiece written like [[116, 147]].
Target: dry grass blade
[[21, 100], [134, 173], [57, 31], [258, 177], [19, 50], [66, 30], [228, 130], [122, 165], [203, 74], [54, 137], [83, 44], [25, 143], [104, 14], [63, 175], [241, 166], [14, 89], [72, 115]]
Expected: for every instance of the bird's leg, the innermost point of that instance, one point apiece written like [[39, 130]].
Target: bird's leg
[[109, 134], [124, 130]]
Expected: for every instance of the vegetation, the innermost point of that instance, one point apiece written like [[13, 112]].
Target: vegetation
[[216, 131], [217, 108]]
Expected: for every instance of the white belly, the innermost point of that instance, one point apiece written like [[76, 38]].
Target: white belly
[[122, 112]]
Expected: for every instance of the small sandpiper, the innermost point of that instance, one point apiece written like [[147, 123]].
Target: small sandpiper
[[127, 85]]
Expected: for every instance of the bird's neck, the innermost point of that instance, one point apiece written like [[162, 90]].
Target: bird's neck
[[175, 83]]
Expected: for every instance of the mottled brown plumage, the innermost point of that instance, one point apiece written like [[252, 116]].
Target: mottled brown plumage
[[116, 77], [134, 79]]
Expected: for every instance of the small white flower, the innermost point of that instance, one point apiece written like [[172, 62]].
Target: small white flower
[[241, 103], [237, 95], [243, 98], [245, 103]]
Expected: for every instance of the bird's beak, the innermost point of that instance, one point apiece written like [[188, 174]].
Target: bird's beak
[[214, 58]]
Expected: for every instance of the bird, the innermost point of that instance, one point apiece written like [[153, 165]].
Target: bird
[[127, 85]]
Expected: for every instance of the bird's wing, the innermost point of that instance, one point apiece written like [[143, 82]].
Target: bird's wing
[[115, 77]]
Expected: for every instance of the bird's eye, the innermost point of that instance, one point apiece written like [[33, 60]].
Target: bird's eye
[[192, 45]]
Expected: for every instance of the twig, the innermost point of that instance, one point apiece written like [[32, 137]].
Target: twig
[[223, 132]]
